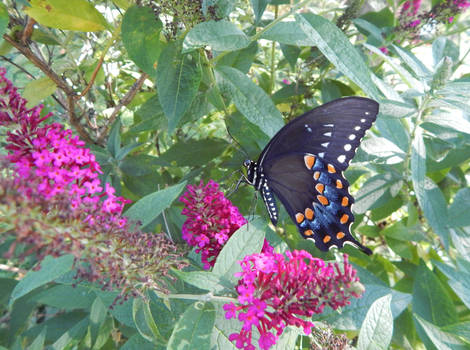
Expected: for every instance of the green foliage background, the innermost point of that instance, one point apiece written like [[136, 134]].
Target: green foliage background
[[164, 91]]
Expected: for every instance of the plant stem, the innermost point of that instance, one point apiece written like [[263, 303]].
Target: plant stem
[[273, 56], [201, 297]]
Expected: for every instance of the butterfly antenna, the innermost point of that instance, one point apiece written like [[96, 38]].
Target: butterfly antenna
[[238, 143]]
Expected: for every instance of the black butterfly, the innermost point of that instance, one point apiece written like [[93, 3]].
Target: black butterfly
[[303, 163]]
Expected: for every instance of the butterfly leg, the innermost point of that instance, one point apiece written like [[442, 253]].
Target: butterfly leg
[[241, 180]]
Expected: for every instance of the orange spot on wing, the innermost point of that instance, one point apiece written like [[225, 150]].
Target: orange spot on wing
[[309, 161], [309, 213], [323, 200], [344, 219], [320, 187], [299, 217], [308, 233], [316, 175], [326, 239], [340, 235], [331, 169], [339, 184], [345, 201]]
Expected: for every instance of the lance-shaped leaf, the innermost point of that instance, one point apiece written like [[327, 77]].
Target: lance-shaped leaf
[[377, 328], [428, 194], [148, 208], [141, 37], [51, 268], [194, 328], [336, 47], [178, 78], [250, 100], [78, 15], [220, 36]]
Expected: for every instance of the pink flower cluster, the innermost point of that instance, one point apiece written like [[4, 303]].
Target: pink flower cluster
[[276, 291], [49, 157], [411, 7], [212, 219]]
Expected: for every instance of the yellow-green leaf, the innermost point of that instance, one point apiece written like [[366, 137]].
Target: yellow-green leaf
[[37, 90], [78, 15]]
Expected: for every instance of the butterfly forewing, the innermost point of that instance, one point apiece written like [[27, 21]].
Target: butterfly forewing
[[332, 131], [303, 164]]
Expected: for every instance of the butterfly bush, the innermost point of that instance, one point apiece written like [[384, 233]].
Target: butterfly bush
[[276, 291], [57, 205]]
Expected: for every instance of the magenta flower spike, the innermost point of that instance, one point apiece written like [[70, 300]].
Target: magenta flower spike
[[212, 219], [276, 291]]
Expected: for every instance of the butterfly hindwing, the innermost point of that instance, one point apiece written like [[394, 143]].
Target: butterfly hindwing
[[316, 198], [303, 166]]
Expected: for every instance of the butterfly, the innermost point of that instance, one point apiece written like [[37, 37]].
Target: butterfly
[[303, 164]]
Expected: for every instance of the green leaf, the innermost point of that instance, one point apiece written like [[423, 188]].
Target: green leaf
[[369, 28], [246, 133], [141, 37], [114, 139], [431, 301], [97, 317], [428, 194], [37, 90], [4, 19], [178, 79], [396, 109], [440, 339], [418, 68], [336, 47], [123, 152], [459, 281], [394, 130], [251, 100], [454, 121], [289, 33], [144, 321], [66, 297], [461, 329], [194, 152], [258, 8], [291, 53], [51, 268], [72, 336], [78, 15], [247, 240], [137, 342], [194, 328], [240, 59], [407, 78], [442, 74], [381, 147], [38, 343], [461, 241], [219, 35], [442, 47], [203, 280], [371, 193], [104, 333], [377, 328], [150, 207], [460, 208]]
